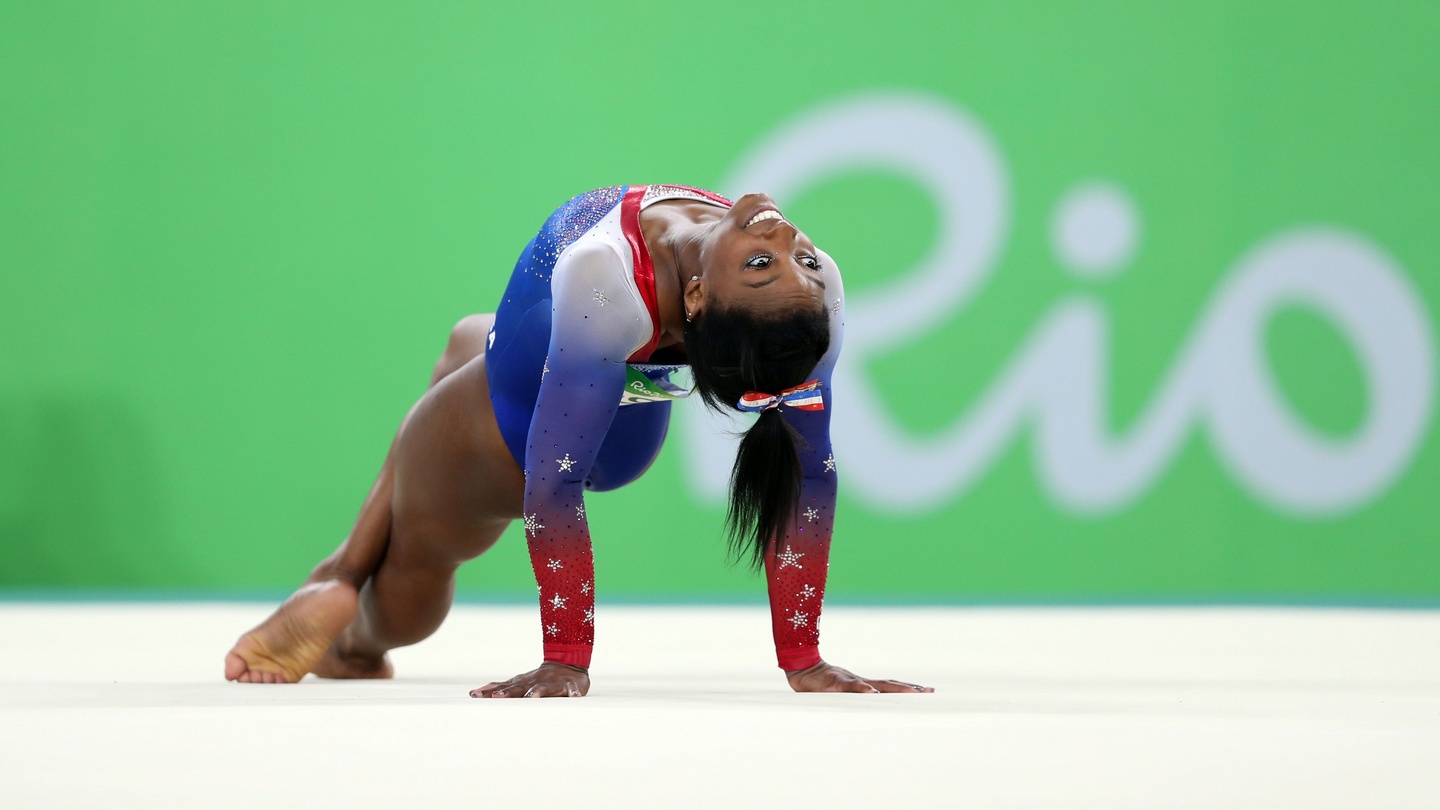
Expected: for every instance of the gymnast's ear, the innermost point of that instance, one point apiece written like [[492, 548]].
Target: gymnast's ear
[[694, 297]]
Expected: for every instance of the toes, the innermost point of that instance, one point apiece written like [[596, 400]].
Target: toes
[[234, 666], [252, 676]]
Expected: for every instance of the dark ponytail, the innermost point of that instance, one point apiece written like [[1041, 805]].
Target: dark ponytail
[[731, 352]]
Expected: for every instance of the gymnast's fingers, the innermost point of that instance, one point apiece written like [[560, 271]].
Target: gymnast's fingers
[[494, 689], [899, 686], [547, 689], [858, 685]]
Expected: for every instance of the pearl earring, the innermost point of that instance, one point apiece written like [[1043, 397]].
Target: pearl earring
[[694, 278]]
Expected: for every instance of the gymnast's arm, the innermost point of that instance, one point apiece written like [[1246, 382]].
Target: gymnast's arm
[[796, 564], [594, 327]]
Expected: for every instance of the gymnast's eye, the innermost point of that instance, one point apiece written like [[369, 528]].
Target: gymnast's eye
[[759, 262], [810, 261]]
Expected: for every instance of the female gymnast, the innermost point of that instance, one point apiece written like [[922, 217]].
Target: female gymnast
[[566, 388]]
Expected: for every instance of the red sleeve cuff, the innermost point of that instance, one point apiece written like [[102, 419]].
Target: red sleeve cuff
[[576, 655], [797, 658]]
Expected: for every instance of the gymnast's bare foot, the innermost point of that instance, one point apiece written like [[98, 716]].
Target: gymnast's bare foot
[[293, 641]]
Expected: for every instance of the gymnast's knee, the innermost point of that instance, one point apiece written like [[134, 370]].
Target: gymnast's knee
[[467, 341]]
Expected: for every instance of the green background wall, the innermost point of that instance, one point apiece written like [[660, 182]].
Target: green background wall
[[233, 238]]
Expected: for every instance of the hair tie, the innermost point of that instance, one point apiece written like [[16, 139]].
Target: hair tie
[[805, 396]]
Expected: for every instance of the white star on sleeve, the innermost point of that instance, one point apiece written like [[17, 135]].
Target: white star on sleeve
[[830, 463], [806, 592], [554, 565], [558, 602], [552, 629], [585, 586], [566, 463], [580, 511], [789, 557], [589, 615], [600, 296], [812, 515], [533, 524], [798, 619]]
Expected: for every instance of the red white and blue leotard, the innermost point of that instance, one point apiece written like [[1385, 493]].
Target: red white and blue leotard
[[578, 316]]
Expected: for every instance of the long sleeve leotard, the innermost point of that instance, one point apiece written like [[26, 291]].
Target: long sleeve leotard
[[580, 409]]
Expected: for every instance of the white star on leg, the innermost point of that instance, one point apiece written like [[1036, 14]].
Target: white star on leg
[[789, 557], [566, 463], [558, 602]]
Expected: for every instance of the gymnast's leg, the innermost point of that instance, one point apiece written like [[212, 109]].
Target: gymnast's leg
[[456, 489], [295, 637]]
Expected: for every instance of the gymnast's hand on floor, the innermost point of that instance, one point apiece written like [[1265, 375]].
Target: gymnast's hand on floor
[[548, 680], [825, 677]]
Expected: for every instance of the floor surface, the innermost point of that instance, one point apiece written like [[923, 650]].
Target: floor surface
[[122, 705]]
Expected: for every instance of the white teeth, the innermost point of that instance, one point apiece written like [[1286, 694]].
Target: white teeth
[[768, 213]]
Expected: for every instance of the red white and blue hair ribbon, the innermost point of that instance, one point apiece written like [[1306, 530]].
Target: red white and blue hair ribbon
[[805, 396]]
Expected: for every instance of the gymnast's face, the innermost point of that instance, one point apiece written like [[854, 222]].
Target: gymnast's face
[[755, 259]]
